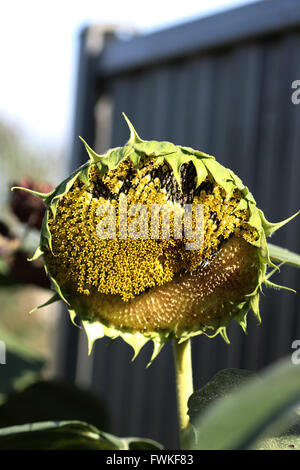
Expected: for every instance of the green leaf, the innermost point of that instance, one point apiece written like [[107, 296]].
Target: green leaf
[[67, 435], [239, 420], [136, 443], [55, 435], [282, 255], [218, 387], [53, 401]]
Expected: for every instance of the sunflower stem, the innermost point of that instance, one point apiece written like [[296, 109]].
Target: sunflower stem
[[184, 385]]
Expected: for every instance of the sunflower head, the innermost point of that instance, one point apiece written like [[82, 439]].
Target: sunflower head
[[153, 241]]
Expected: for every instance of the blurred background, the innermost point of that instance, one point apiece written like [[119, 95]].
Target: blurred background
[[210, 75]]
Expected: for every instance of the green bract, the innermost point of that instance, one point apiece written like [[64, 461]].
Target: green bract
[[136, 152]]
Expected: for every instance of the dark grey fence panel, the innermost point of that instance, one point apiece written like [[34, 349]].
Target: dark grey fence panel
[[228, 93], [238, 25]]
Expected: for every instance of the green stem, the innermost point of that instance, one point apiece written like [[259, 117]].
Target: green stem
[[184, 383]]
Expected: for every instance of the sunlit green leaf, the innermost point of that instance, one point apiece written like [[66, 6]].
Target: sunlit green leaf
[[239, 420], [53, 401], [65, 435]]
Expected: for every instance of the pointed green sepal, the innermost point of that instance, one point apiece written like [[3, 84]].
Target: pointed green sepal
[[270, 227], [254, 304], [158, 344], [97, 330], [197, 153], [93, 331], [84, 175], [272, 285], [135, 158], [134, 137], [175, 162], [136, 340], [63, 189], [43, 196], [55, 285], [201, 171], [242, 205], [94, 157], [38, 252], [73, 316], [46, 239], [54, 298], [115, 156], [223, 333]]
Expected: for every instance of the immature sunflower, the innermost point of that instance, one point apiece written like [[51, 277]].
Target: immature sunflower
[[121, 244]]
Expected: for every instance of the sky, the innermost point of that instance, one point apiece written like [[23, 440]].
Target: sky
[[38, 52]]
